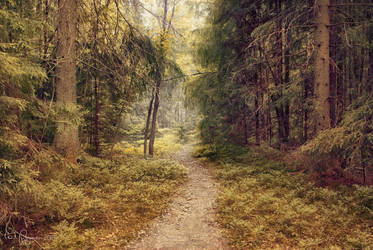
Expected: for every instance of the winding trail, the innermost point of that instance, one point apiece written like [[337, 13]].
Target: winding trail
[[190, 221]]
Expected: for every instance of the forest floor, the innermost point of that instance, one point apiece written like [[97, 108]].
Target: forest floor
[[190, 221]]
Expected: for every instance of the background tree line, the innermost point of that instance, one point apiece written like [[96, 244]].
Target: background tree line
[[289, 73]]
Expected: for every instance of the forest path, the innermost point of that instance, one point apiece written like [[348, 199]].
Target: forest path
[[189, 223]]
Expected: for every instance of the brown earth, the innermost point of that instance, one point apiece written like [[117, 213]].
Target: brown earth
[[190, 221]]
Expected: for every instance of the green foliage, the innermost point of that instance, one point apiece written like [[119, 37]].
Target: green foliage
[[166, 145], [8, 179], [263, 205], [19, 69], [114, 71], [70, 114], [12, 144], [227, 152], [61, 201], [67, 236], [97, 197], [351, 141], [7, 104]]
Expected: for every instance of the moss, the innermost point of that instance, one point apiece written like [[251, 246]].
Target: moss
[[263, 205], [101, 202]]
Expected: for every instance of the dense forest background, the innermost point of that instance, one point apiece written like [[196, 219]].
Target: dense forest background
[[287, 74], [88, 89]]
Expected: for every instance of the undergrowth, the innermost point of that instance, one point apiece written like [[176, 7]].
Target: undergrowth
[[167, 144], [265, 204], [48, 202]]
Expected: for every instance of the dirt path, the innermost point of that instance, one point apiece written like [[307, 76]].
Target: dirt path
[[189, 223]]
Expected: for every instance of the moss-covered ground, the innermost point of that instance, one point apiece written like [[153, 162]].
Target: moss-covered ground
[[265, 203], [99, 203]]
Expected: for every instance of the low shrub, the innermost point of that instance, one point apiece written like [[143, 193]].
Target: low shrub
[[100, 202], [263, 204]]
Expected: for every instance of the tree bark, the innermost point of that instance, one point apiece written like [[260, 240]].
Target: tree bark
[[305, 110], [165, 30], [257, 127], [280, 109], [369, 84], [96, 86], [246, 132], [321, 74], [97, 110], [66, 138], [256, 101], [154, 120], [287, 82], [146, 133], [333, 70], [45, 29], [269, 123]]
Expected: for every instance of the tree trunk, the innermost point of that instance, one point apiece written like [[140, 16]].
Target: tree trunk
[[287, 82], [66, 139], [246, 132], [146, 133], [322, 81], [256, 102], [45, 29], [305, 113], [97, 110], [279, 108], [369, 84], [92, 128], [154, 120], [269, 124], [333, 70], [96, 87], [165, 30], [257, 128]]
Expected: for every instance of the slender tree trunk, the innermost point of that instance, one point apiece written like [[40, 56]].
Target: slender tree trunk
[[340, 89], [246, 132], [333, 69], [363, 67], [262, 84], [96, 86], [322, 81], [333, 83], [154, 120], [279, 108], [369, 84], [305, 113], [146, 133], [287, 82], [264, 126], [39, 8], [270, 132], [66, 138], [256, 102], [45, 29], [344, 88], [280, 123], [351, 74], [257, 127], [165, 29], [97, 110]]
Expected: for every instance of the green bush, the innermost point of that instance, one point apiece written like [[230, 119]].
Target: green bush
[[350, 144], [67, 236]]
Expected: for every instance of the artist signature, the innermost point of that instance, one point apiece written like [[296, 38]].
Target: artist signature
[[23, 238]]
